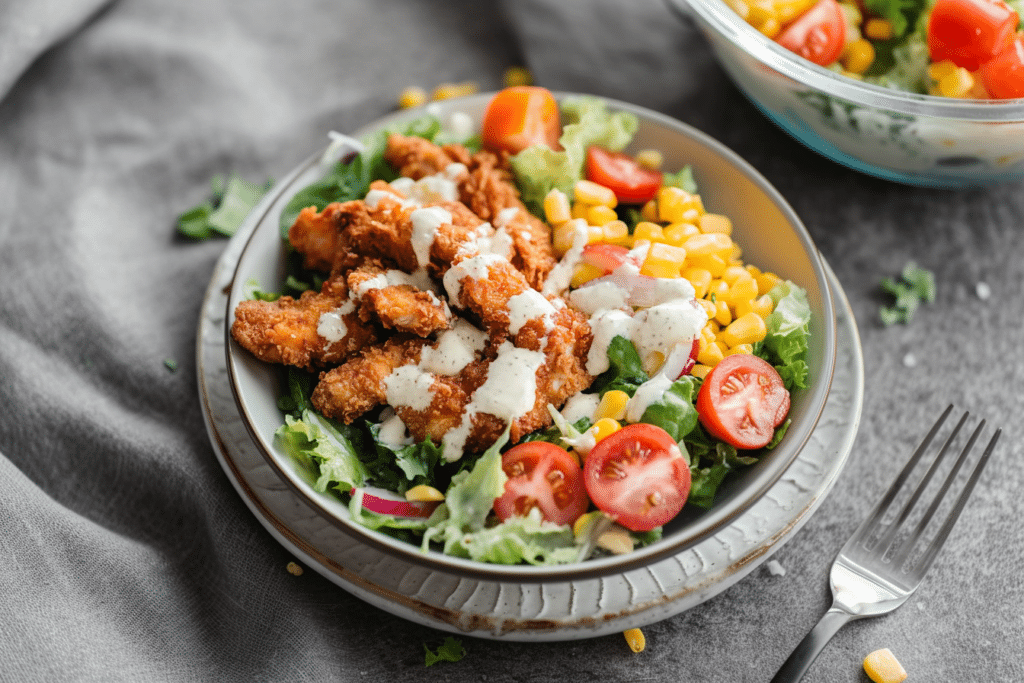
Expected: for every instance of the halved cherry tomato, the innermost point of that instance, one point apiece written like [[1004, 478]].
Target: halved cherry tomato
[[631, 182], [605, 256], [520, 117], [638, 476], [544, 476], [1003, 75], [970, 32], [742, 401], [818, 34]]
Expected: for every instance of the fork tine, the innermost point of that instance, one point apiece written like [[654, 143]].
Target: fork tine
[[884, 543], [908, 544], [869, 524], [926, 560]]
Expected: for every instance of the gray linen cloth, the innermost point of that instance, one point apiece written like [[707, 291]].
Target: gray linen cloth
[[126, 555]]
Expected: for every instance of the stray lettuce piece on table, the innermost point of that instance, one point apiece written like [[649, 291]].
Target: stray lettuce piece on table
[[587, 122], [451, 650], [224, 211], [916, 285]]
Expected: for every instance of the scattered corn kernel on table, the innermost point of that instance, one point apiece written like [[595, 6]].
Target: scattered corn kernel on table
[[130, 556]]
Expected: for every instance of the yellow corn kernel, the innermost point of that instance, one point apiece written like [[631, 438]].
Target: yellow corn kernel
[[939, 70], [740, 348], [663, 260], [700, 371], [423, 494], [616, 540], [579, 210], [676, 205], [604, 427], [700, 279], [715, 264], [878, 29], [723, 316], [709, 244], [517, 75], [650, 158], [741, 308], [881, 666], [590, 192], [753, 270], [584, 273], [563, 235], [649, 211], [956, 84], [734, 273], [612, 405], [763, 306], [717, 289], [616, 232], [858, 56], [713, 328], [709, 353], [653, 362], [788, 10], [736, 254], [746, 330], [412, 97], [595, 233], [715, 222], [743, 289], [708, 306], [710, 329], [676, 233], [766, 281], [740, 7], [635, 639], [447, 91], [556, 207], [600, 214], [645, 230]]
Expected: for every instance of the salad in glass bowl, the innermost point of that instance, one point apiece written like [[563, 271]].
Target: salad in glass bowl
[[524, 341]]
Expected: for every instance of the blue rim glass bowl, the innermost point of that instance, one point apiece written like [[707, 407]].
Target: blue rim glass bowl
[[905, 137]]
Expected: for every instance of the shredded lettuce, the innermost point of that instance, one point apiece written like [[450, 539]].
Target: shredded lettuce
[[625, 371], [675, 411], [326, 453], [588, 122]]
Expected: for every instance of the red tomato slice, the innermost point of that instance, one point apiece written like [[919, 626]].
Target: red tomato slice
[[520, 117], [638, 476], [631, 182], [605, 256], [818, 34], [544, 476], [1003, 75], [742, 401], [970, 32]]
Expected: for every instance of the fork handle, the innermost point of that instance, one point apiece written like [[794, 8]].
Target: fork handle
[[794, 668]]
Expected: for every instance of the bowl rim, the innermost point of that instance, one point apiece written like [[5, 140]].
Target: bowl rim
[[709, 523], [719, 16]]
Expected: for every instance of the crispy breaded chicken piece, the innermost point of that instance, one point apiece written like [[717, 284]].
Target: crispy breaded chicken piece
[[319, 235], [288, 330], [389, 296], [489, 192]]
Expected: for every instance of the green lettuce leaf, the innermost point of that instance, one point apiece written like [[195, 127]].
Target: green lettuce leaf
[[789, 326], [625, 372], [399, 469], [675, 411], [522, 539], [588, 122], [451, 650], [327, 454]]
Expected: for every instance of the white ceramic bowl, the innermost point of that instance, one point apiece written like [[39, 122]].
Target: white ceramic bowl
[[772, 237], [915, 139]]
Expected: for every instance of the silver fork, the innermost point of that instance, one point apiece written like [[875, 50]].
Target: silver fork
[[876, 571]]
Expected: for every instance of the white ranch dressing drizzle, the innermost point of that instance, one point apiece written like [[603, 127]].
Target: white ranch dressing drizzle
[[647, 394], [331, 324], [527, 306], [393, 431], [409, 386], [455, 349], [509, 392], [561, 275], [474, 267]]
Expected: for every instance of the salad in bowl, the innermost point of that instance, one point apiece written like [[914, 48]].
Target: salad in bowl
[[516, 333]]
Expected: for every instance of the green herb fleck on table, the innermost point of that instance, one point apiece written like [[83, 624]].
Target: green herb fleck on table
[[451, 650], [171, 364], [229, 204], [916, 285]]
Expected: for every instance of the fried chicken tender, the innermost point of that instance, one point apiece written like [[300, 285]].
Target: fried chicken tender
[[390, 297], [489, 192], [287, 330]]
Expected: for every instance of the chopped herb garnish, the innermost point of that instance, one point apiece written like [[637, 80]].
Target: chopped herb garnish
[[171, 364], [916, 285], [224, 211], [451, 650]]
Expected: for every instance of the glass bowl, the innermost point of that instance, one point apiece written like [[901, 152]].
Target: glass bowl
[[915, 139], [772, 238]]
